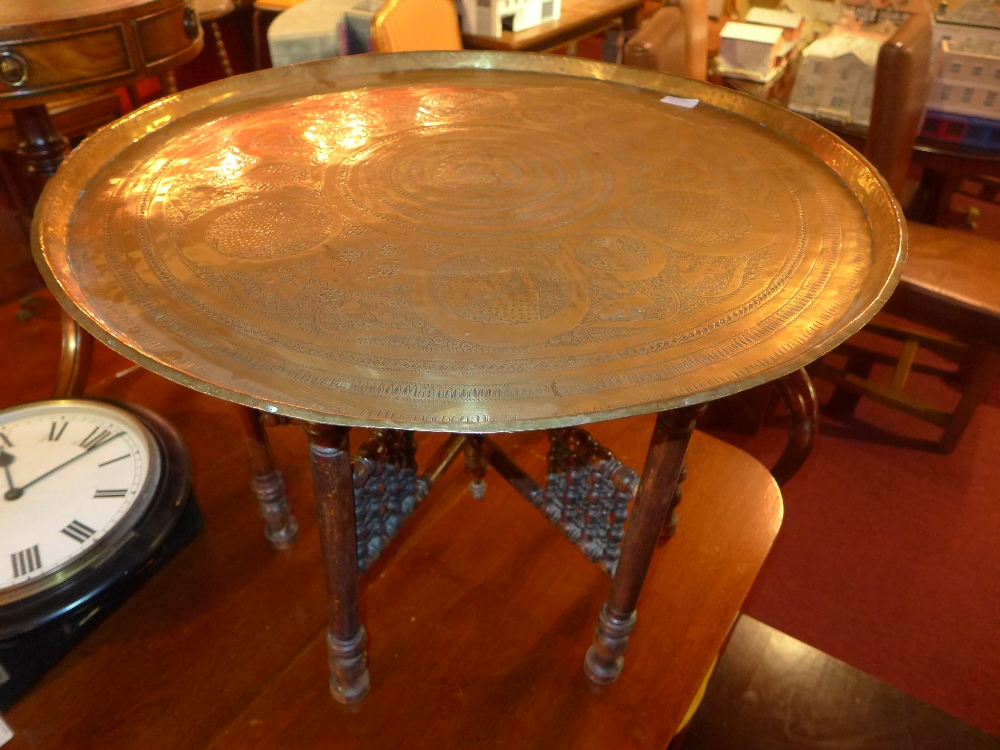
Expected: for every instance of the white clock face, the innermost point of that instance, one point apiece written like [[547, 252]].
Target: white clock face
[[71, 474]]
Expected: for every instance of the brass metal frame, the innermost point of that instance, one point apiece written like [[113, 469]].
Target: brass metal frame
[[882, 223]]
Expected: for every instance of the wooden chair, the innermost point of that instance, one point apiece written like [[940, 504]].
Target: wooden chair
[[674, 40], [209, 13], [951, 282], [416, 25]]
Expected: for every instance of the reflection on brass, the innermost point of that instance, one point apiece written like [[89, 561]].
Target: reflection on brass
[[468, 241]]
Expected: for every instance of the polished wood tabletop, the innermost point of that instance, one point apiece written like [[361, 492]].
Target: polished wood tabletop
[[466, 241]]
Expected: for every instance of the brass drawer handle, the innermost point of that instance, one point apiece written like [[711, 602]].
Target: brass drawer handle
[[13, 69], [191, 24]]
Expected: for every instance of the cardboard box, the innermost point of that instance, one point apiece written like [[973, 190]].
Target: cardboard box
[[750, 51], [967, 78], [493, 17], [836, 77]]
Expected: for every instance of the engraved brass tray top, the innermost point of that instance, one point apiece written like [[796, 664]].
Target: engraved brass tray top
[[467, 241]]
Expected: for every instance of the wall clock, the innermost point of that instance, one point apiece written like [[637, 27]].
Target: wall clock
[[94, 497]]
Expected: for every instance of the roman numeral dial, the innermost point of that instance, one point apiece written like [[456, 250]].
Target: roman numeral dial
[[25, 561], [56, 430], [78, 531], [72, 474]]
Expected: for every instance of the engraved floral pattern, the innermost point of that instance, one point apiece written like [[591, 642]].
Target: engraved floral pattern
[[444, 242]]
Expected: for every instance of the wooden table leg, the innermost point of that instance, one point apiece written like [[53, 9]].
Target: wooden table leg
[[796, 390], [660, 474], [476, 463], [981, 379], [281, 528], [333, 482], [74, 359], [41, 149], [40, 145]]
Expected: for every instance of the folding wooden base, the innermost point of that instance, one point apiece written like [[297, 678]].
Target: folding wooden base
[[478, 615], [478, 620]]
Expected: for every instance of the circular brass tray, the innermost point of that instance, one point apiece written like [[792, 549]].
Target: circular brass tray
[[467, 241]]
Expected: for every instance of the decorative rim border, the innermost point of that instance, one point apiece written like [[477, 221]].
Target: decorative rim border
[[52, 219]]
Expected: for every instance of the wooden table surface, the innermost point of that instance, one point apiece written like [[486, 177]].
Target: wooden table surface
[[772, 692], [578, 19], [479, 612]]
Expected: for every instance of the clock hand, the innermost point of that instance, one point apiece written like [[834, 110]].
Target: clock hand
[[6, 459], [15, 492]]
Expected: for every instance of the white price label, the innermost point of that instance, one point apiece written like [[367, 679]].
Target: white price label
[[678, 101]]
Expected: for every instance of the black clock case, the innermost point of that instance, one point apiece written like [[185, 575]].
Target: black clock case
[[36, 632]]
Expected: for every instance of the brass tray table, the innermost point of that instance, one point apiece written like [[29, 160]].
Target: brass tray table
[[471, 243]]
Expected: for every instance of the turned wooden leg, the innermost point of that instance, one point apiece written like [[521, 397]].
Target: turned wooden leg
[[40, 145], [476, 463], [168, 83], [797, 391], [257, 40], [604, 660], [74, 360], [220, 48], [673, 520], [980, 379], [843, 402], [281, 528], [333, 482]]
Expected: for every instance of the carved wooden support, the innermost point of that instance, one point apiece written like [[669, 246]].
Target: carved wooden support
[[673, 520], [514, 474], [476, 463], [168, 83], [586, 494], [275, 420], [386, 490], [443, 457], [660, 474], [220, 49], [797, 392], [333, 482], [74, 359], [281, 528], [40, 145]]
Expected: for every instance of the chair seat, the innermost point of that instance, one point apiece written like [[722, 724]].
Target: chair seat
[[957, 270], [274, 6], [212, 10], [950, 283]]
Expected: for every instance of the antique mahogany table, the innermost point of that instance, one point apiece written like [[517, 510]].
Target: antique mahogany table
[[471, 243], [56, 49]]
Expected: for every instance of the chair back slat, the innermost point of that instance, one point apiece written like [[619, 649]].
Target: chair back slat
[[415, 25]]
